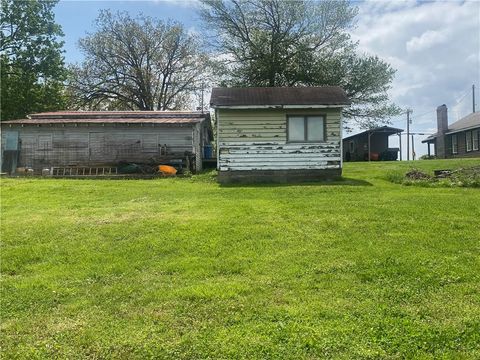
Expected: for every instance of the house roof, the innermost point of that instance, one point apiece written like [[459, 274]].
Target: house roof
[[278, 97], [388, 130], [468, 122], [113, 117]]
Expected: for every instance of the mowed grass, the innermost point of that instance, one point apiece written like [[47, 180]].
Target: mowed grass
[[188, 269]]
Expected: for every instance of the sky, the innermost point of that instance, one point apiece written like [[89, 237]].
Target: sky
[[434, 46]]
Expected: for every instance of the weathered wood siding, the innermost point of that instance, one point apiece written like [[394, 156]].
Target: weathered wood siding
[[198, 145], [257, 140], [71, 145]]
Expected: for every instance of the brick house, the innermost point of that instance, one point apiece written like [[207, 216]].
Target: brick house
[[457, 140]]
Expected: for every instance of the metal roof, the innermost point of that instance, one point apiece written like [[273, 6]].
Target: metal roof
[[382, 129], [278, 96], [113, 117], [468, 122]]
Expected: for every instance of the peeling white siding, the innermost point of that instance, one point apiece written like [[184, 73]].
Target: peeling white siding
[[257, 140]]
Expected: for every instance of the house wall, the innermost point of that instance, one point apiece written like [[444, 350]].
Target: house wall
[[198, 143], [256, 141], [462, 146], [91, 145]]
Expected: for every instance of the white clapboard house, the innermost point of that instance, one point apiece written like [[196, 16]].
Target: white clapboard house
[[279, 134]]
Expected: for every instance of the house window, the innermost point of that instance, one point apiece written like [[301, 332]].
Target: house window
[[454, 144], [352, 146], [306, 128], [475, 139], [468, 140]]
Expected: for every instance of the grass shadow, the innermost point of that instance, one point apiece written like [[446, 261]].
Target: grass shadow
[[343, 181]]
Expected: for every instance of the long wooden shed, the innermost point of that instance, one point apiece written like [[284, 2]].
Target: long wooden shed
[[278, 134], [101, 138]]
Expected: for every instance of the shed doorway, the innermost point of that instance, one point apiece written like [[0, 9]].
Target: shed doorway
[[9, 156]]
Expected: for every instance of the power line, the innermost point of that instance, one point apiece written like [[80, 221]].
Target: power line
[[421, 115], [462, 98]]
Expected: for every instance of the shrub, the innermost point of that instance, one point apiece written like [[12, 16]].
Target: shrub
[[427, 157], [395, 177]]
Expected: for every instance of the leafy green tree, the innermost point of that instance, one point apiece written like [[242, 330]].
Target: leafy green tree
[[32, 65], [137, 63], [298, 43]]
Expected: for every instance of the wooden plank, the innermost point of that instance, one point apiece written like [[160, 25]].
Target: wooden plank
[[255, 125], [275, 145], [280, 153], [240, 162], [270, 167], [281, 127], [275, 157]]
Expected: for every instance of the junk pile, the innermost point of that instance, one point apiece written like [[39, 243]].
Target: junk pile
[[133, 168], [463, 177], [416, 174]]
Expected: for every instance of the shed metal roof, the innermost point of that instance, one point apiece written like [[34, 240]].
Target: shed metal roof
[[278, 96], [382, 129], [113, 117]]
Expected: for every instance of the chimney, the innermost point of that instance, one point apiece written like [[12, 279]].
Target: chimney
[[442, 119], [442, 128]]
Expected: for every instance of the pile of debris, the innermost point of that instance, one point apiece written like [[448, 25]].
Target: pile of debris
[[463, 177], [416, 174], [473, 172], [133, 168]]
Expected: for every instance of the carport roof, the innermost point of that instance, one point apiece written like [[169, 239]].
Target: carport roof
[[379, 130]]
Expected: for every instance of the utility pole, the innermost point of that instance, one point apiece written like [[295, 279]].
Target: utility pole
[[473, 97], [400, 144], [413, 147], [203, 85], [408, 133]]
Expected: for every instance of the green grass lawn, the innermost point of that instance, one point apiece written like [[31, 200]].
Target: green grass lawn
[[188, 269]]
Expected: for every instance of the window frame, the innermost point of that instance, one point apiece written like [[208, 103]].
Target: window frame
[[454, 146], [477, 138], [305, 128], [468, 141]]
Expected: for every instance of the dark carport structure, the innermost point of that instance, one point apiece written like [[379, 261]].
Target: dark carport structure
[[372, 144]]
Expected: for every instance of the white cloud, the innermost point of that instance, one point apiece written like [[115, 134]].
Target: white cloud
[[426, 40], [435, 47], [181, 3]]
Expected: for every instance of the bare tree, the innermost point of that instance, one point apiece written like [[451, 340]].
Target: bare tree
[[298, 43], [264, 38], [137, 63]]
